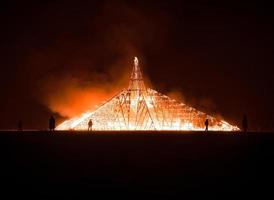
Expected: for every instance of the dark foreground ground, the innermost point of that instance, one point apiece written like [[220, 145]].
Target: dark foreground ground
[[136, 165]]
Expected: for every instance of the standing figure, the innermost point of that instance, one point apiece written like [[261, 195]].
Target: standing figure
[[90, 125], [245, 123], [20, 126], [206, 125], [51, 123]]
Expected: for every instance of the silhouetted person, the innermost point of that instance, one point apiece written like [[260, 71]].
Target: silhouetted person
[[245, 123], [51, 123], [206, 125], [90, 125], [20, 126]]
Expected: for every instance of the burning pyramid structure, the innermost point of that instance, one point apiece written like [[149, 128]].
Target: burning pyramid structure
[[141, 108]]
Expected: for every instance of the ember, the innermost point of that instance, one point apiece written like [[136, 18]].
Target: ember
[[141, 108]]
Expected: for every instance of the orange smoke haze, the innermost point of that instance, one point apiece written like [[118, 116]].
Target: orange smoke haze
[[204, 104], [82, 73], [70, 96], [74, 100], [177, 95]]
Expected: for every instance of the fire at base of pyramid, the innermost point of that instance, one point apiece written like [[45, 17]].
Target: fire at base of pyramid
[[141, 108]]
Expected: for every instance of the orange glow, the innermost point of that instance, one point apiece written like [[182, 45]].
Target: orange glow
[[75, 101], [138, 108]]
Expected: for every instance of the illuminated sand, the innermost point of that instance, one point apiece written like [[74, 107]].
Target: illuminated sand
[[141, 108]]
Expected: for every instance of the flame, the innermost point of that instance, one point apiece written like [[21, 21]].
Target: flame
[[136, 62], [141, 108]]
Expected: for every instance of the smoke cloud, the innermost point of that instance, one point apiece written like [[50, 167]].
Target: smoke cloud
[[101, 65], [71, 94], [74, 62], [204, 104]]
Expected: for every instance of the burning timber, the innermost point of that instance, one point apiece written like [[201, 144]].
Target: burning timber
[[141, 108]]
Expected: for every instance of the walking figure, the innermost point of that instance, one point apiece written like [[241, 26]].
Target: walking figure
[[20, 126], [90, 125], [206, 125], [51, 123], [245, 123]]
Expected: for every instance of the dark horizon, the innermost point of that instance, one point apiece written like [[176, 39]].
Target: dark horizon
[[136, 166], [217, 56]]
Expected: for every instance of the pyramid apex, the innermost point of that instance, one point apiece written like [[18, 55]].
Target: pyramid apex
[[136, 78], [136, 62]]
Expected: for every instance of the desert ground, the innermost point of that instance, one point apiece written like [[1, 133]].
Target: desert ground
[[136, 165]]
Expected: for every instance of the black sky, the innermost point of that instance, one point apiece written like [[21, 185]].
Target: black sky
[[218, 55]]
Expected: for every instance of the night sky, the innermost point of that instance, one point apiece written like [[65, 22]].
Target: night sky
[[217, 56]]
